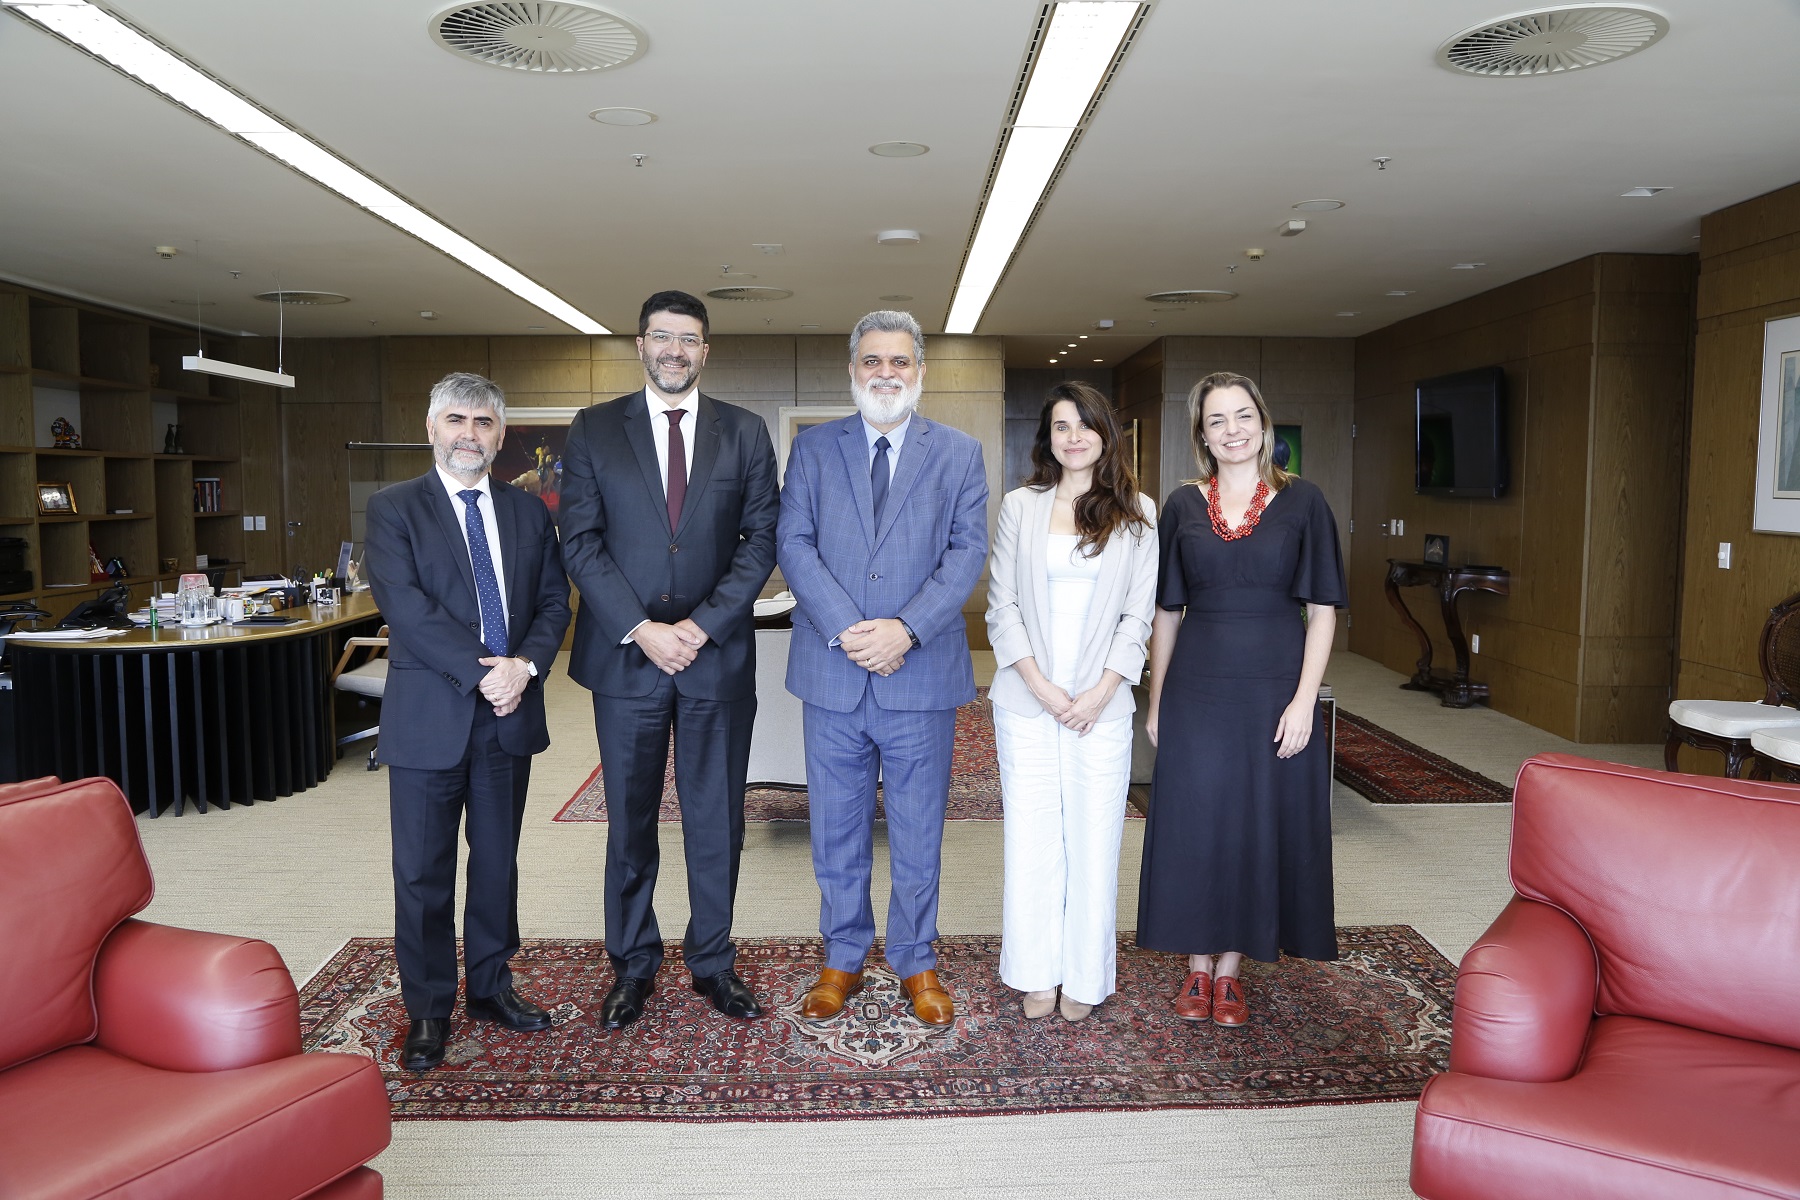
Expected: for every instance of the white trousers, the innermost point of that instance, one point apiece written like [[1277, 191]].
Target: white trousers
[[1065, 813]]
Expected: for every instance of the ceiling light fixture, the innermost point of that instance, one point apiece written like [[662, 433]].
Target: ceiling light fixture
[[1399, 292], [1469, 266], [104, 36], [287, 297], [1075, 52], [1319, 205], [1349, 314], [1191, 296], [1641, 192], [898, 237], [623, 116], [899, 149], [896, 298]]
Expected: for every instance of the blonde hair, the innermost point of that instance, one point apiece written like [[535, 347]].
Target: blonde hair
[[1271, 474]]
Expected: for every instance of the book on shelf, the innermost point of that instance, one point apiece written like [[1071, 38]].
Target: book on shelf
[[207, 497]]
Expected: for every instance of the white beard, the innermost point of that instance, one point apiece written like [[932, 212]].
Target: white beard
[[881, 406]]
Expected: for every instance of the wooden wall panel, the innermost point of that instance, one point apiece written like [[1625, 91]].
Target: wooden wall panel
[[316, 482], [1749, 273]]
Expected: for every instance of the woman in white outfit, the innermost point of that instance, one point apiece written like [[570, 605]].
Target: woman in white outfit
[[1070, 600]]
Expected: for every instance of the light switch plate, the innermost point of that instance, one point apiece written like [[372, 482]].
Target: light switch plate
[[1724, 556]]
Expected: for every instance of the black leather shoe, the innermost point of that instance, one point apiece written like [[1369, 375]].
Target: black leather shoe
[[625, 1003], [424, 1048], [510, 1009], [729, 994]]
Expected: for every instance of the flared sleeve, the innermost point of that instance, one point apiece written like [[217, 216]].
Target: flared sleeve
[[1319, 573], [1171, 587]]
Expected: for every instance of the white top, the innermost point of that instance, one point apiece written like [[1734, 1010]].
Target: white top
[[1069, 577], [659, 428], [490, 525]]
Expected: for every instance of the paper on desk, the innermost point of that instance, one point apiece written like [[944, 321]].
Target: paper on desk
[[65, 635]]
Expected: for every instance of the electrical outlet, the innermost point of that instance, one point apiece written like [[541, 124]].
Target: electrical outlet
[[1724, 556], [1399, 527], [1475, 643], [249, 522], [262, 524]]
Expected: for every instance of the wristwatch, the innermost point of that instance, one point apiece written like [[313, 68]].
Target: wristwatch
[[909, 633], [529, 665]]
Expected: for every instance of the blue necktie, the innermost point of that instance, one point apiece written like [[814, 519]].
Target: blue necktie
[[487, 584], [878, 477]]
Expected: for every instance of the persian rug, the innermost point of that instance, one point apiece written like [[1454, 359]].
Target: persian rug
[[974, 782], [1373, 1026], [1388, 769]]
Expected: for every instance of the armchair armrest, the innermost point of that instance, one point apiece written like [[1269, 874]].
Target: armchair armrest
[[183, 1000], [1525, 996]]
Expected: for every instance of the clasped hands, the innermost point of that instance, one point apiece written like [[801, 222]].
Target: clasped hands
[[1077, 713], [879, 645], [672, 648], [504, 685]]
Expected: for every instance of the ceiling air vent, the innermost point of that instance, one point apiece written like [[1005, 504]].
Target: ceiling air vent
[[302, 298], [749, 294], [561, 38], [1553, 40], [1191, 296]]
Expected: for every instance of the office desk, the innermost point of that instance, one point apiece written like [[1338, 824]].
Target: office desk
[[216, 715]]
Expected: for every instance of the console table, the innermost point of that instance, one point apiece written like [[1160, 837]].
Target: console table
[[1455, 688], [216, 715]]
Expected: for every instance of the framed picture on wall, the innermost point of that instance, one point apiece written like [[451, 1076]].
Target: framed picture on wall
[[532, 457], [790, 420], [1778, 432], [1287, 437]]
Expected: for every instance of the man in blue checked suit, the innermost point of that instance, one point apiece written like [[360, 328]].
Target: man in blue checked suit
[[882, 537], [469, 576]]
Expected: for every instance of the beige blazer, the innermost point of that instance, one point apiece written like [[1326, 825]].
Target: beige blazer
[[1018, 613]]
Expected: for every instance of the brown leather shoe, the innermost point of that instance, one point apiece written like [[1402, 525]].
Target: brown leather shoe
[[1228, 1007], [1194, 1001], [825, 999], [930, 1002]]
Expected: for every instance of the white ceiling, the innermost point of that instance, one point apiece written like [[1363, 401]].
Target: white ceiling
[[1222, 116]]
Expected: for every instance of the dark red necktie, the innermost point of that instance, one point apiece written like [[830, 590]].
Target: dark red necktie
[[677, 487]]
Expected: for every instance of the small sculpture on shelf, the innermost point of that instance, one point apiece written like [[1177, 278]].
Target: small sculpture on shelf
[[172, 440], [63, 432]]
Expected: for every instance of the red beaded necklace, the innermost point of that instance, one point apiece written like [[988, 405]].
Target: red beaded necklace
[[1259, 500]]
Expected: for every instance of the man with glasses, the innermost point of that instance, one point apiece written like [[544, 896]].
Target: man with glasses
[[668, 529]]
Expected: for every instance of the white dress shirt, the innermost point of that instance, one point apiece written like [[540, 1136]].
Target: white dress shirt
[[490, 523]]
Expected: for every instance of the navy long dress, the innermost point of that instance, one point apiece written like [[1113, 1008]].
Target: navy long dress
[[1237, 850]]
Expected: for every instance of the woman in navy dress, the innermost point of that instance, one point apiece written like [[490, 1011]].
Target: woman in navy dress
[[1237, 850]]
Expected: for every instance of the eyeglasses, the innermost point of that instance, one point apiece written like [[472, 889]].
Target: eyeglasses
[[689, 341]]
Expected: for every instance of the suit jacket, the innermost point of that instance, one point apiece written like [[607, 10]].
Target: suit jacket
[[920, 565], [418, 564], [1117, 631], [629, 566]]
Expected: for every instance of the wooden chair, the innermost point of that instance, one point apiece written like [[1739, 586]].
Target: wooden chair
[[1727, 725], [367, 679]]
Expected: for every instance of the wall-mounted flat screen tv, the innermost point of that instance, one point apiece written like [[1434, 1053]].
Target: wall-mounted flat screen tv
[[1461, 447]]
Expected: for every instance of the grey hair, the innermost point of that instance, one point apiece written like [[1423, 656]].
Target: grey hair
[[888, 320], [466, 388]]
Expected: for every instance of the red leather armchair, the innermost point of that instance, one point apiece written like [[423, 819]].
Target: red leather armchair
[[140, 1060], [1630, 1025]]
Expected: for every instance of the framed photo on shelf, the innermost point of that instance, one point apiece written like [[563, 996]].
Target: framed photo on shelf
[[1778, 432], [1437, 548], [55, 499]]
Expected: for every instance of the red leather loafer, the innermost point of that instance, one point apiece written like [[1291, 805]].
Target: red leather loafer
[[1194, 1001], [1228, 1007]]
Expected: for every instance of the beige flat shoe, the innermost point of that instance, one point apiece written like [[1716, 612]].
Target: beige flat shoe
[[1073, 1010], [1037, 1005]]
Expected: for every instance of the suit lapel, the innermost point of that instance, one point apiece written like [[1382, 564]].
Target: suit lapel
[[450, 521], [643, 444], [1037, 553], [856, 461], [913, 453], [706, 455]]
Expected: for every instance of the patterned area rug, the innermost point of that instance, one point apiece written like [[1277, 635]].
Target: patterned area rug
[[1388, 769], [974, 782], [1373, 1026]]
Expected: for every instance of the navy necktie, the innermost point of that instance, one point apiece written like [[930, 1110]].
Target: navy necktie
[[487, 584], [878, 477]]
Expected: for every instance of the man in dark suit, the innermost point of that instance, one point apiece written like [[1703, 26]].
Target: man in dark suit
[[469, 578], [668, 520]]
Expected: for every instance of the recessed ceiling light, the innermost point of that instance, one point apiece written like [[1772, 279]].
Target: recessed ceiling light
[[1319, 205], [1638, 193], [1467, 266], [1082, 336], [1064, 75], [1553, 41], [1399, 292], [285, 297], [1053, 362], [899, 149], [1071, 345], [105, 37], [427, 314], [1349, 314], [1192, 296], [749, 295], [1099, 360], [898, 237], [809, 327], [623, 116], [896, 299]]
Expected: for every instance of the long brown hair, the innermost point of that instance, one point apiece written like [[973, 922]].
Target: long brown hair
[[1111, 500], [1271, 474]]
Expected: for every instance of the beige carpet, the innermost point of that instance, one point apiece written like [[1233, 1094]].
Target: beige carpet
[[310, 871]]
